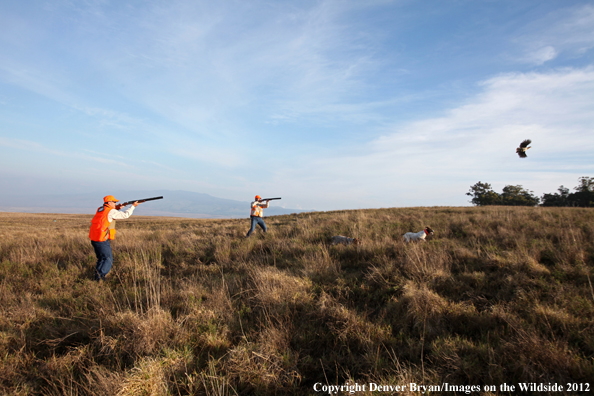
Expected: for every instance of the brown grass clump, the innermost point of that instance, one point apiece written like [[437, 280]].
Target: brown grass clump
[[148, 377], [497, 295], [424, 307], [274, 288], [426, 264], [266, 362], [137, 334]]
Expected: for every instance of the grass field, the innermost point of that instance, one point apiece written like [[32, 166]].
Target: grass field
[[498, 295]]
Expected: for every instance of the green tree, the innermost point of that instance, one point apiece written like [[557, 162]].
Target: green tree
[[556, 199], [482, 195], [518, 196], [583, 195], [584, 192]]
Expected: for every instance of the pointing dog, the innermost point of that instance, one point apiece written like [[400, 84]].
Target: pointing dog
[[417, 236]]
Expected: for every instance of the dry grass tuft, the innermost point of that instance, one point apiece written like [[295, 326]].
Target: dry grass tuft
[[424, 307], [215, 384], [140, 334], [425, 264], [268, 361], [349, 326], [148, 377], [272, 288]]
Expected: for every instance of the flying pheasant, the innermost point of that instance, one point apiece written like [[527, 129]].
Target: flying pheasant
[[523, 147]]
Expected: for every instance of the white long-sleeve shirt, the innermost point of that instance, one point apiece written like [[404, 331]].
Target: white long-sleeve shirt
[[257, 207], [120, 214]]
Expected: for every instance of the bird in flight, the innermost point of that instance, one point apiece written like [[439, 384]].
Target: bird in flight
[[523, 147]]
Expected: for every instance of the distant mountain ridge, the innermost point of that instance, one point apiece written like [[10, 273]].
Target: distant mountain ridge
[[176, 203]]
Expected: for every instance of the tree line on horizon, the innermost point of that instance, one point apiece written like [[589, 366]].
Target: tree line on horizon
[[583, 196]]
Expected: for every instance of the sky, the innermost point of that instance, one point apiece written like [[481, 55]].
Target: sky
[[329, 104]]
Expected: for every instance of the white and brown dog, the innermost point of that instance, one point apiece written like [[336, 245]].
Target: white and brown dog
[[417, 236], [345, 240]]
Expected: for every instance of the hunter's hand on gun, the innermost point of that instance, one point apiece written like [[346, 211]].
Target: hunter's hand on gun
[[119, 206]]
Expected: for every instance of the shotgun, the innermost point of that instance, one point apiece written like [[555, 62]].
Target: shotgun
[[140, 201], [267, 199]]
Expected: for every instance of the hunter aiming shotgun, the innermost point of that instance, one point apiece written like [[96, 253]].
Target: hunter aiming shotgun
[[103, 230], [141, 201], [258, 205]]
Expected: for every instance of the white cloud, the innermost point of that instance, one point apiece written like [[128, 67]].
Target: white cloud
[[567, 31], [42, 150], [542, 55]]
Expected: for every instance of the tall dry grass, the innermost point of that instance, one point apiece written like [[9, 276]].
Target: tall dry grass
[[497, 295]]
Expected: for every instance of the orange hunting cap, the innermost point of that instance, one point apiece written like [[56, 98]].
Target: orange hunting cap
[[257, 197], [110, 198]]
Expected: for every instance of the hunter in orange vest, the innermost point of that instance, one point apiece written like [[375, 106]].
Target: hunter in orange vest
[[256, 215], [103, 230]]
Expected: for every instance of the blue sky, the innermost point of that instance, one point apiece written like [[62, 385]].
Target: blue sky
[[330, 104]]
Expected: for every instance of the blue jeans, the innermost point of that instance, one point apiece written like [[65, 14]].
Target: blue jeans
[[256, 220], [104, 259]]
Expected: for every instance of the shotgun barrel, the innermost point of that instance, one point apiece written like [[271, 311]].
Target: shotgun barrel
[[268, 199], [141, 200]]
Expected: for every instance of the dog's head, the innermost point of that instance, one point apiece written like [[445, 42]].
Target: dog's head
[[429, 230], [356, 241]]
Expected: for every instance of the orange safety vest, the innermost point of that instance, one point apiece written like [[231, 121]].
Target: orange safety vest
[[101, 228], [256, 210]]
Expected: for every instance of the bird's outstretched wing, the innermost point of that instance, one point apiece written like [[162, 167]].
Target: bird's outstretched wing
[[522, 154], [525, 143]]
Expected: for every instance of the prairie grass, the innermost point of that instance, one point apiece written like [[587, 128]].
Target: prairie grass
[[497, 295]]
